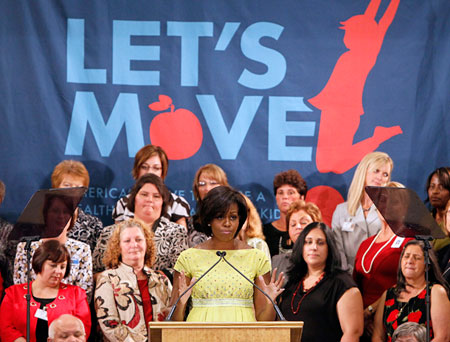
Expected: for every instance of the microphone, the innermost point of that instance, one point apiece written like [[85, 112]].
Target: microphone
[[275, 306], [221, 256]]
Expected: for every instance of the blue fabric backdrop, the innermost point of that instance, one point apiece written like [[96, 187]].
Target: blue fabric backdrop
[[76, 79]]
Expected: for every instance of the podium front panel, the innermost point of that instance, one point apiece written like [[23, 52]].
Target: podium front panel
[[226, 332]]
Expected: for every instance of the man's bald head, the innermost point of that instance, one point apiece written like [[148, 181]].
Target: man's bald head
[[66, 328]]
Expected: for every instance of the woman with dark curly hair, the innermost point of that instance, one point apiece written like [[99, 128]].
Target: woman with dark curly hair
[[129, 294], [288, 187], [223, 295]]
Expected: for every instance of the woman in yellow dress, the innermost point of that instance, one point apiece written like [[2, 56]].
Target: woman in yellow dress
[[223, 295]]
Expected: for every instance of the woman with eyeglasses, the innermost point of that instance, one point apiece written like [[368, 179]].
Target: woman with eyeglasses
[[207, 177], [153, 159]]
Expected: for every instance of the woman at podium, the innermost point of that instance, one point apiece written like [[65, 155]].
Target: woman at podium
[[223, 295], [319, 293]]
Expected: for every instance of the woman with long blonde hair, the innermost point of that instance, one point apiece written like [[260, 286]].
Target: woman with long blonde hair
[[357, 219]]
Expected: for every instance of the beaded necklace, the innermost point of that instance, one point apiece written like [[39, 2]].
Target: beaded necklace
[[302, 286], [366, 271]]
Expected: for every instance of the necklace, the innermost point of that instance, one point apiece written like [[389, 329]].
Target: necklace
[[376, 254], [404, 304], [401, 305], [302, 286]]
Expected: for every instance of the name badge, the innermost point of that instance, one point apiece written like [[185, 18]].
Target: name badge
[[397, 242], [42, 314], [75, 261], [348, 226]]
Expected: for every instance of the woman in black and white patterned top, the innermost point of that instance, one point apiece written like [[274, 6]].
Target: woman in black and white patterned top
[[148, 201], [153, 159]]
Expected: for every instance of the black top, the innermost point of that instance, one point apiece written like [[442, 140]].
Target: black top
[[42, 325], [318, 308], [444, 261], [276, 239]]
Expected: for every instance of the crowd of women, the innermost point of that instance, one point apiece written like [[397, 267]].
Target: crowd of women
[[357, 278]]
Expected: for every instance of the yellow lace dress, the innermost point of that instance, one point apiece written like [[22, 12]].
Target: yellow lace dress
[[223, 295]]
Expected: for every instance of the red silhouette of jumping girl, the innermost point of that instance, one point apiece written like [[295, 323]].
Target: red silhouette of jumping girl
[[341, 99]]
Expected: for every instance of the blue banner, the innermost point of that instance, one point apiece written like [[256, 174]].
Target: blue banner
[[256, 87]]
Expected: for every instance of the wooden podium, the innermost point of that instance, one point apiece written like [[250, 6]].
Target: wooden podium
[[278, 331]]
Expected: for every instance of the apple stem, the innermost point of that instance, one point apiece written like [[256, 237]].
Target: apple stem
[[172, 107]]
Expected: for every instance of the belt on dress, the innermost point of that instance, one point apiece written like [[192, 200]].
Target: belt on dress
[[209, 302]]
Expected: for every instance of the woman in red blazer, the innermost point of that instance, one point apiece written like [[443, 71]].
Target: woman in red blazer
[[50, 297]]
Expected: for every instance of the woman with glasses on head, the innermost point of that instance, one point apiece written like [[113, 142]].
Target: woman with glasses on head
[[153, 159]]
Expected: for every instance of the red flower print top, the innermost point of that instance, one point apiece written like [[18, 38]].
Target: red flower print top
[[396, 312]]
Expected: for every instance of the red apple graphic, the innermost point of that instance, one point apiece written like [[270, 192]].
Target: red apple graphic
[[178, 132]]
